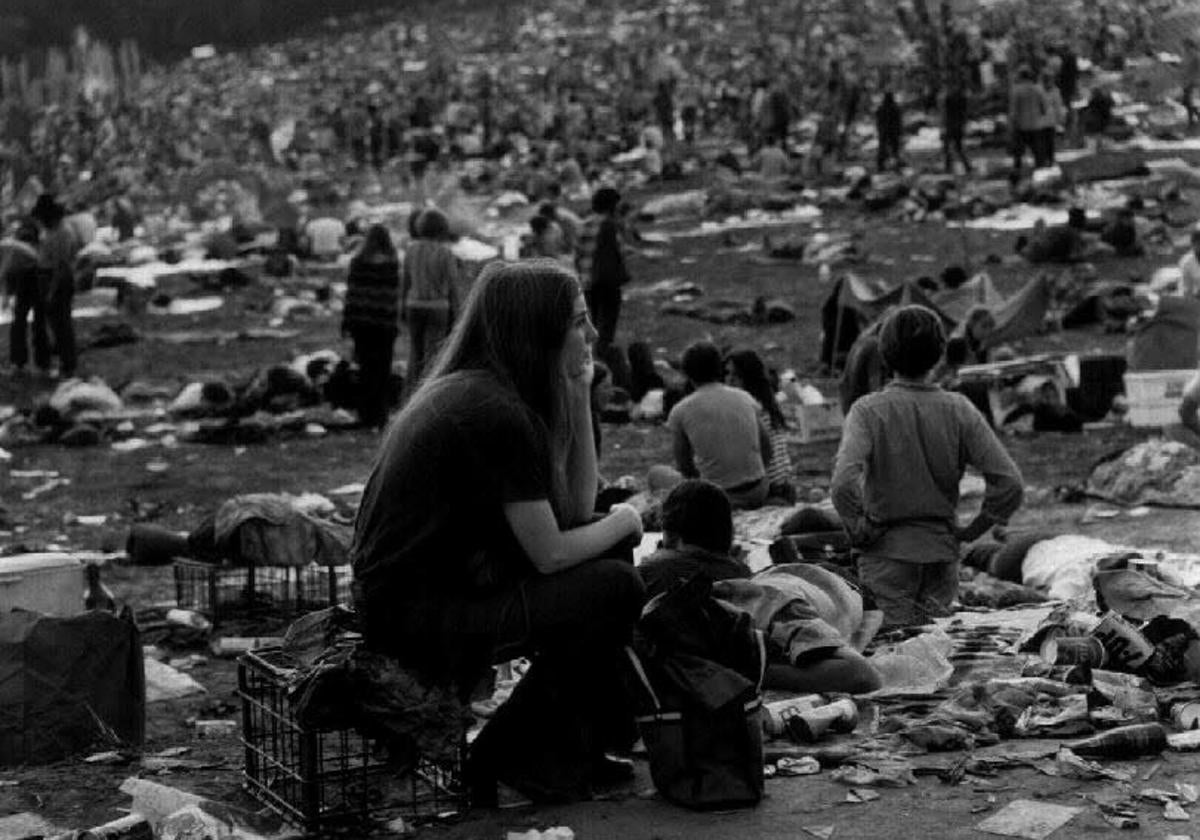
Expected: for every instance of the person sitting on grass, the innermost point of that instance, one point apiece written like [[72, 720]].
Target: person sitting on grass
[[895, 481], [717, 433], [745, 369], [1064, 243], [809, 615]]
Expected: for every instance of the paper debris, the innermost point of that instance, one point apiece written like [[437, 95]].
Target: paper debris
[[558, 832], [804, 766], [822, 832], [165, 683], [1174, 811], [1029, 819], [25, 825]]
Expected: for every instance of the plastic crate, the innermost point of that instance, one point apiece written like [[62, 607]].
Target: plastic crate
[[1154, 396], [324, 780], [222, 592]]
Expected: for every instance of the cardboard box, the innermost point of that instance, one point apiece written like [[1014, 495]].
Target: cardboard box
[[818, 422]]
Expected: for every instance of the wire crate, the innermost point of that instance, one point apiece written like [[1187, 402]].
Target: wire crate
[[328, 780], [222, 592]]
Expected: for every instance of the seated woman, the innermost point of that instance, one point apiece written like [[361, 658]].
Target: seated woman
[[476, 542], [808, 615], [745, 369]]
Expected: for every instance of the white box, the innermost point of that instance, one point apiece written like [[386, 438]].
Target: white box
[[1154, 396], [818, 422], [50, 583]]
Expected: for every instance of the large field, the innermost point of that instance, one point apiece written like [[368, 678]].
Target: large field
[[176, 486]]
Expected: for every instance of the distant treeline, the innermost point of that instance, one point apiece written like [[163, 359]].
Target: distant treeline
[[168, 28]]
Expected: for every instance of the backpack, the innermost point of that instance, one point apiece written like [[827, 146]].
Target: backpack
[[698, 672]]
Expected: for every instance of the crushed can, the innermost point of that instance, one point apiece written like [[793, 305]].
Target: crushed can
[[1125, 645], [1074, 650]]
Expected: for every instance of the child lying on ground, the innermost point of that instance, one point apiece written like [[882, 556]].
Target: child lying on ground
[[810, 617]]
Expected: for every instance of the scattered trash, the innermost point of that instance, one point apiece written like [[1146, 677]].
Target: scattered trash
[[876, 772], [93, 520], [821, 832], [1121, 815], [187, 663], [1071, 766], [857, 796], [230, 646], [803, 766], [165, 683], [188, 618], [1029, 819], [43, 489], [208, 729], [1174, 811], [1124, 742], [156, 801], [108, 757], [24, 825], [558, 832]]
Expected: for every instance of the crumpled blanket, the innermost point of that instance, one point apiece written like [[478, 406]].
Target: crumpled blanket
[[801, 608], [1154, 472], [267, 529], [338, 684]]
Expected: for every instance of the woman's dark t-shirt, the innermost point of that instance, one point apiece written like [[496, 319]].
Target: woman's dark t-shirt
[[431, 521]]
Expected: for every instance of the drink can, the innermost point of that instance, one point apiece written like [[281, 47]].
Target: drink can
[[812, 724], [1074, 650], [776, 716], [1126, 646]]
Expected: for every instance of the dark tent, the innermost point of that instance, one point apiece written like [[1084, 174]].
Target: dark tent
[[1168, 340], [855, 303]]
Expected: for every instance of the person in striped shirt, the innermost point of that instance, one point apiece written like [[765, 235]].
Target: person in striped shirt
[[745, 369]]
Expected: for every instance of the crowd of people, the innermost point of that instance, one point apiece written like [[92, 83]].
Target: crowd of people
[[548, 99]]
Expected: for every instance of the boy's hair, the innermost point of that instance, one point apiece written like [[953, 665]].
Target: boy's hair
[[702, 363], [912, 341], [697, 512]]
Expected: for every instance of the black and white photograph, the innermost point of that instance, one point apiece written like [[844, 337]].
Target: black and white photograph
[[599, 419]]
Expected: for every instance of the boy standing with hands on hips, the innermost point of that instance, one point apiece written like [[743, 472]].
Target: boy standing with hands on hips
[[895, 481]]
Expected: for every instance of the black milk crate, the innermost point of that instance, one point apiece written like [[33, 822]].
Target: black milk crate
[[329, 780], [222, 592]]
